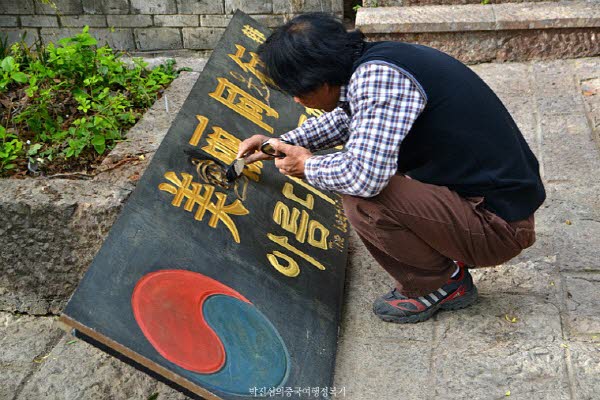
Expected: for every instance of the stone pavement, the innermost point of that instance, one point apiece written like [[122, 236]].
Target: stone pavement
[[534, 333]]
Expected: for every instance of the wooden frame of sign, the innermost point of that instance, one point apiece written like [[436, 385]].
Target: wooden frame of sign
[[223, 290]]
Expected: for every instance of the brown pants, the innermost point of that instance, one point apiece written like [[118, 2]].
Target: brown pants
[[415, 230]]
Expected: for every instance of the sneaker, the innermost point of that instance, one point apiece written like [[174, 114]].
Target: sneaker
[[459, 292]]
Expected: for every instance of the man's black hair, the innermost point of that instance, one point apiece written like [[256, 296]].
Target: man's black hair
[[308, 51]]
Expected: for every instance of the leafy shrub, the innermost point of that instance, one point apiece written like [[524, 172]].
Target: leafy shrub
[[70, 101]]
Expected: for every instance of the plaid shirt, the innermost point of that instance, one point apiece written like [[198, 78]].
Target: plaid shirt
[[384, 103]]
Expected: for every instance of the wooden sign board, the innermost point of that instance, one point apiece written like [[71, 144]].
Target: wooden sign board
[[224, 291]]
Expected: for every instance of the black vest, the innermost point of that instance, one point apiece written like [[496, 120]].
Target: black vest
[[465, 138]]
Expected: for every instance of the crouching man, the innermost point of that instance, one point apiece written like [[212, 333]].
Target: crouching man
[[435, 175]]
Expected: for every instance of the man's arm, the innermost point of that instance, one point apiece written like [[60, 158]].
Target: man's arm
[[328, 130], [385, 104]]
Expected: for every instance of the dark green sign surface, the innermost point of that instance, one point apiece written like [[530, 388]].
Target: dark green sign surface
[[227, 291]]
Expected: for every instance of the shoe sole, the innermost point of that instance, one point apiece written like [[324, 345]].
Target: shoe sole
[[462, 302]]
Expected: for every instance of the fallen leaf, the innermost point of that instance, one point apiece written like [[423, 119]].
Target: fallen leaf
[[41, 359], [153, 396], [142, 157], [72, 341], [507, 393], [568, 222], [551, 283], [564, 345], [510, 319]]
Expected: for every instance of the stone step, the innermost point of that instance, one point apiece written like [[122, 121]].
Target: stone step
[[476, 33], [400, 3]]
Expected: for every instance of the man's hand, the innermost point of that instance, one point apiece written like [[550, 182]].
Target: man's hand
[[250, 149], [293, 162]]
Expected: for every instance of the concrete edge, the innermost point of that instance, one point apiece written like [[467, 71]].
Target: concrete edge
[[477, 17]]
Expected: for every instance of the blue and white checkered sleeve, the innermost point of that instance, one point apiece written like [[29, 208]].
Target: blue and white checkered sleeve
[[327, 130], [384, 104]]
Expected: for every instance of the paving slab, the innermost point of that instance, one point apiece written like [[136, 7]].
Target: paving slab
[[521, 370], [540, 278], [75, 370], [25, 341], [384, 368], [583, 303], [585, 364]]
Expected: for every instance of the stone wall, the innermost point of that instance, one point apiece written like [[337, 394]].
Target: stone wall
[[145, 25]]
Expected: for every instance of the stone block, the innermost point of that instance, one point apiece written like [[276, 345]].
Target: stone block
[[16, 35], [573, 14], [517, 45], [129, 21], [568, 149], [504, 342], [271, 20], [106, 6], [158, 39], [63, 7], [118, 39], [200, 7], [575, 244], [41, 266], [301, 6], [249, 7], [552, 77], [383, 368], [176, 20], [153, 7], [76, 21], [587, 68], [75, 370], [215, 21], [583, 303], [528, 369], [540, 278], [577, 201], [337, 6], [585, 360], [38, 21], [425, 19], [201, 38], [25, 341], [488, 322], [513, 80], [16, 7], [7, 21], [547, 44], [468, 47], [222, 21]]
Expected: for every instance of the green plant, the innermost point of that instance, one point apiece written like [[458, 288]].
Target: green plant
[[356, 8], [9, 69], [10, 149], [80, 98]]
